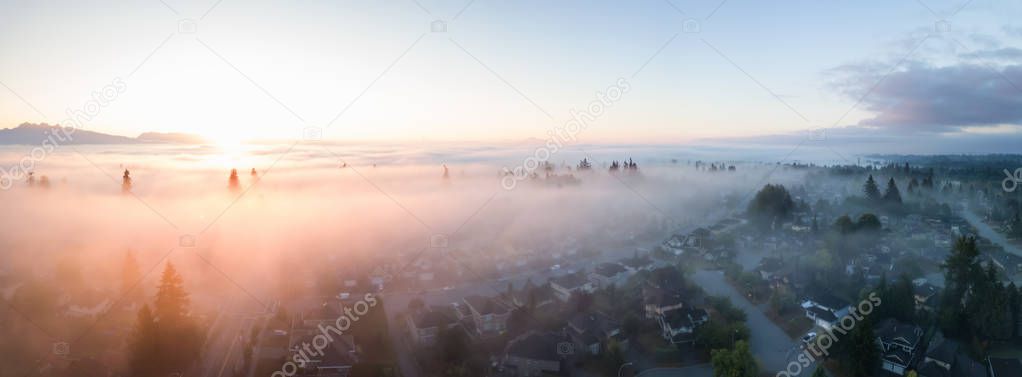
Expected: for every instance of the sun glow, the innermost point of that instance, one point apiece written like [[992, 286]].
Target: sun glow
[[230, 153]]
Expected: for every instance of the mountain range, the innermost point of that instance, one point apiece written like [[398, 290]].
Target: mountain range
[[32, 134]]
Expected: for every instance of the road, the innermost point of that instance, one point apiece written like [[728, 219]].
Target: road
[[227, 338], [989, 233], [771, 345], [702, 370]]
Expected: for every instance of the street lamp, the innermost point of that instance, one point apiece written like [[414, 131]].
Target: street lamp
[[622, 367]]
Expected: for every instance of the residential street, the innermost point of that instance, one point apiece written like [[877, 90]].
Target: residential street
[[702, 370], [771, 345]]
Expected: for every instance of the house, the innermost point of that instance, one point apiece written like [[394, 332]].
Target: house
[[675, 245], [424, 325], [926, 296], [489, 316], [593, 332], [336, 360], [534, 354], [898, 344], [825, 310], [539, 297], [769, 267], [678, 326], [607, 274], [658, 301], [637, 263], [998, 367], [565, 286], [946, 359]]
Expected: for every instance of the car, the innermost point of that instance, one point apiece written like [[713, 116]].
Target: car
[[808, 338]]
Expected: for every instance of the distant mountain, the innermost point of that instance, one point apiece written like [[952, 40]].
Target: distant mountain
[[34, 134], [170, 137]]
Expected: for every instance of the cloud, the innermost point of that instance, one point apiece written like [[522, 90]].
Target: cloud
[[978, 89], [1004, 53]]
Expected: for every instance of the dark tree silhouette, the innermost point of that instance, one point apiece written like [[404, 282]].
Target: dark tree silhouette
[[232, 181], [772, 203], [870, 190], [892, 195], [166, 339], [584, 165], [126, 182]]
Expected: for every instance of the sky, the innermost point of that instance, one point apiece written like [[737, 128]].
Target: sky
[[928, 71]]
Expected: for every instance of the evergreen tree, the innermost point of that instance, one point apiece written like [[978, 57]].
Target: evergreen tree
[[892, 195], [232, 182], [870, 190], [144, 358], [584, 165], [126, 182], [130, 277], [171, 304], [178, 339], [863, 353], [960, 269]]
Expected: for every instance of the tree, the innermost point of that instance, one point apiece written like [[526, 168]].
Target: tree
[[868, 222], [771, 204], [232, 182], [870, 190], [631, 324], [961, 270], [844, 224], [126, 182], [819, 372], [892, 195], [144, 353], [130, 277], [171, 299], [863, 354], [178, 339], [737, 362]]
